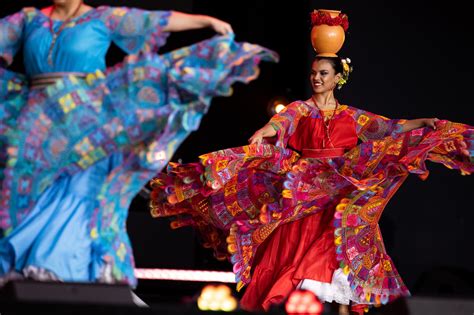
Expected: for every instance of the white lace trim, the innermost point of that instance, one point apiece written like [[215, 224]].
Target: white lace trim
[[42, 274], [39, 274], [338, 290], [106, 274]]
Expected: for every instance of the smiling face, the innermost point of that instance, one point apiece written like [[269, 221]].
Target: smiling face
[[323, 76]]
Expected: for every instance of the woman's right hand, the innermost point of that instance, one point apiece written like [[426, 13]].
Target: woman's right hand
[[257, 137], [266, 132]]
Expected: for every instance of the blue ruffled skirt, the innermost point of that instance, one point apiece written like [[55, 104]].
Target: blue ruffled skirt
[[54, 241], [73, 155]]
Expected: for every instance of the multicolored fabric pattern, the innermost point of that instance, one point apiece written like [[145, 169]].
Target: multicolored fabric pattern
[[245, 193], [132, 29], [360, 248], [144, 107], [11, 35]]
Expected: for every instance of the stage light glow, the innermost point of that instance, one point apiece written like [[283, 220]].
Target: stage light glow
[[279, 108], [303, 302], [229, 305], [203, 304], [185, 275], [216, 298], [276, 105]]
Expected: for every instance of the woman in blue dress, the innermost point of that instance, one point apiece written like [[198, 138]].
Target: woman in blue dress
[[79, 140]]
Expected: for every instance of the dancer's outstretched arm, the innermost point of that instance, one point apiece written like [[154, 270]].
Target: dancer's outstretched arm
[[266, 132], [418, 123], [180, 21]]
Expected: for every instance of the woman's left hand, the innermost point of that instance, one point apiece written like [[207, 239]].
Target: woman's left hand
[[431, 122], [220, 27], [463, 145]]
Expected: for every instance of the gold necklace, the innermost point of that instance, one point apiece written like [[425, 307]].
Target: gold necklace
[[326, 122], [56, 34]]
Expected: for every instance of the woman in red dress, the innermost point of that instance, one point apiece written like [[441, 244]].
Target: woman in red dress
[[310, 202]]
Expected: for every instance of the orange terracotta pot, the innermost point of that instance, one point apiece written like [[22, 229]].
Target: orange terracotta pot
[[327, 40]]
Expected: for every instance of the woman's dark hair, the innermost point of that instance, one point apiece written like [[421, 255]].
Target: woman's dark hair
[[334, 61]]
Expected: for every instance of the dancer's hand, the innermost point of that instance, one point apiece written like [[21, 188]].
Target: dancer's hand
[[266, 132], [464, 151], [431, 122], [257, 137], [219, 26]]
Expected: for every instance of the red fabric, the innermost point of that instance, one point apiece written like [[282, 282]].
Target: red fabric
[[358, 309], [322, 153], [302, 249], [310, 133]]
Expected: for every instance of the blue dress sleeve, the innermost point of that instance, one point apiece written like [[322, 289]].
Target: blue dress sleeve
[[11, 36], [136, 30]]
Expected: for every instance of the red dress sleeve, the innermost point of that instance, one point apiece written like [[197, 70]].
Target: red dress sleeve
[[370, 126]]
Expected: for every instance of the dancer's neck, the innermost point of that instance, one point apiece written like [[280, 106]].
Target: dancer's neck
[[64, 10], [324, 100]]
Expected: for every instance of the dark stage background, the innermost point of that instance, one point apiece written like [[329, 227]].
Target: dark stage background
[[411, 59]]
